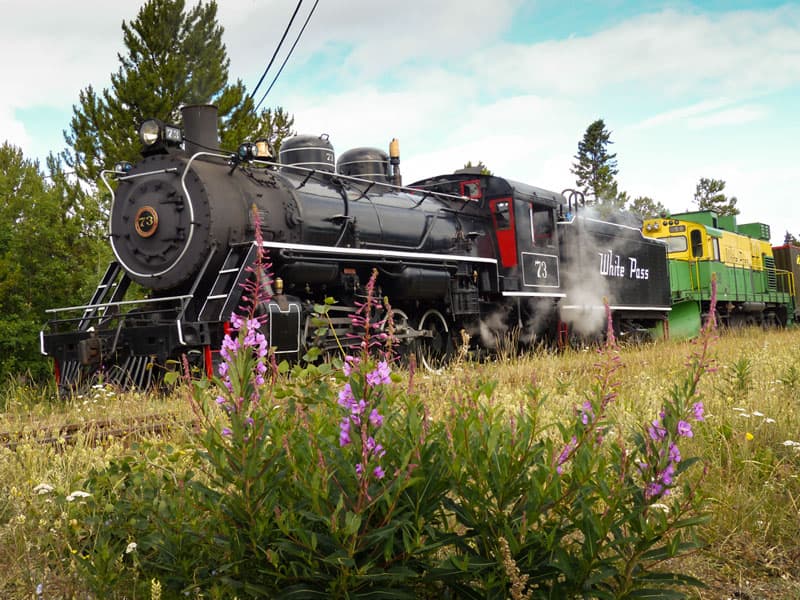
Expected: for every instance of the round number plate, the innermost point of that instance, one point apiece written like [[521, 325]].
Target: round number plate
[[146, 221]]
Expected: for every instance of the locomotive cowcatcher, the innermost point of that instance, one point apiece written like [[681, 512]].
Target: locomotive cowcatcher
[[464, 251]]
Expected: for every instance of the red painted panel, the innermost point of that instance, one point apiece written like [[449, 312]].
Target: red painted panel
[[471, 189], [503, 217], [209, 361]]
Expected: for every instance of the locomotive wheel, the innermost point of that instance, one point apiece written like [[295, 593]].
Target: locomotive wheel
[[434, 351]]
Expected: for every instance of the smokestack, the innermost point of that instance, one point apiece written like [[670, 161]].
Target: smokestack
[[200, 128]]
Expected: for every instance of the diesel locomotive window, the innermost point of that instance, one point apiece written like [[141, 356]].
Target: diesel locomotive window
[[542, 226], [697, 243], [501, 214], [676, 243]]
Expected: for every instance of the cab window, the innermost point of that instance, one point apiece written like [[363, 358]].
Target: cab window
[[697, 243], [541, 226], [676, 243]]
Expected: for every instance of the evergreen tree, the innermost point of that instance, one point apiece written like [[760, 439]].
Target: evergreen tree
[[647, 208], [709, 196], [789, 238], [595, 167], [174, 57], [274, 125], [50, 247], [611, 198]]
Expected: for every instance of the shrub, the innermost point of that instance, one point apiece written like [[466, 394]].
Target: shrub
[[354, 492]]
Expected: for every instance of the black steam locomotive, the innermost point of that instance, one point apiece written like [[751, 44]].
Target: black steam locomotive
[[464, 251]]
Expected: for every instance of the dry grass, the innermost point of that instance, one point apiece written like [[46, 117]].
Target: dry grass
[[751, 481]]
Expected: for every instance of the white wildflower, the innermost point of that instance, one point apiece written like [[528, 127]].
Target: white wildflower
[[660, 506], [130, 548], [756, 413], [77, 494], [43, 488], [769, 420], [737, 409], [791, 444], [744, 415]]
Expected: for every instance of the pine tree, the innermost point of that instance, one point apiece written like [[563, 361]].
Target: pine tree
[[173, 58], [709, 196], [647, 208], [595, 167]]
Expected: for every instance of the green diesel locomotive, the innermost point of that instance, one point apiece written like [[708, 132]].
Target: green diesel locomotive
[[752, 287]]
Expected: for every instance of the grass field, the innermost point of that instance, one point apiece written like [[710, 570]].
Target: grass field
[[749, 446]]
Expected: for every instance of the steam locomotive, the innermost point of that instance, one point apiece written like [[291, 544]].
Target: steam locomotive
[[463, 251]]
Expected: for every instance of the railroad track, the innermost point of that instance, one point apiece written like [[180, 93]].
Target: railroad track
[[95, 431]]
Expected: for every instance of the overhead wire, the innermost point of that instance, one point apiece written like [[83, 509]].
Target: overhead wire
[[277, 49], [285, 60]]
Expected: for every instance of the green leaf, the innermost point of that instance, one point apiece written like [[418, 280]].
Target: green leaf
[[352, 523]]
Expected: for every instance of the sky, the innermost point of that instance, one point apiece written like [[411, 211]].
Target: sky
[[688, 89]]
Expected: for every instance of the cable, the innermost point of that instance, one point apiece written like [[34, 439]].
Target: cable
[[308, 18], [274, 54]]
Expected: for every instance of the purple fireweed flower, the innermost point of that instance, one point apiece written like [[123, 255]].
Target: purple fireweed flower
[[346, 398], [667, 473], [565, 453], [236, 321], [359, 469], [375, 418], [653, 490], [358, 408], [699, 411], [684, 429], [344, 432], [230, 347], [674, 453], [223, 369], [656, 431], [226, 431], [380, 375], [221, 400], [378, 451], [350, 362], [378, 472], [587, 414]]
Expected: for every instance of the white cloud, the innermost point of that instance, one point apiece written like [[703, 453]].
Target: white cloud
[[670, 52], [381, 35], [732, 116]]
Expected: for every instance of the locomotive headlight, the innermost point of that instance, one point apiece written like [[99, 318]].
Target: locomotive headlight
[[149, 132]]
